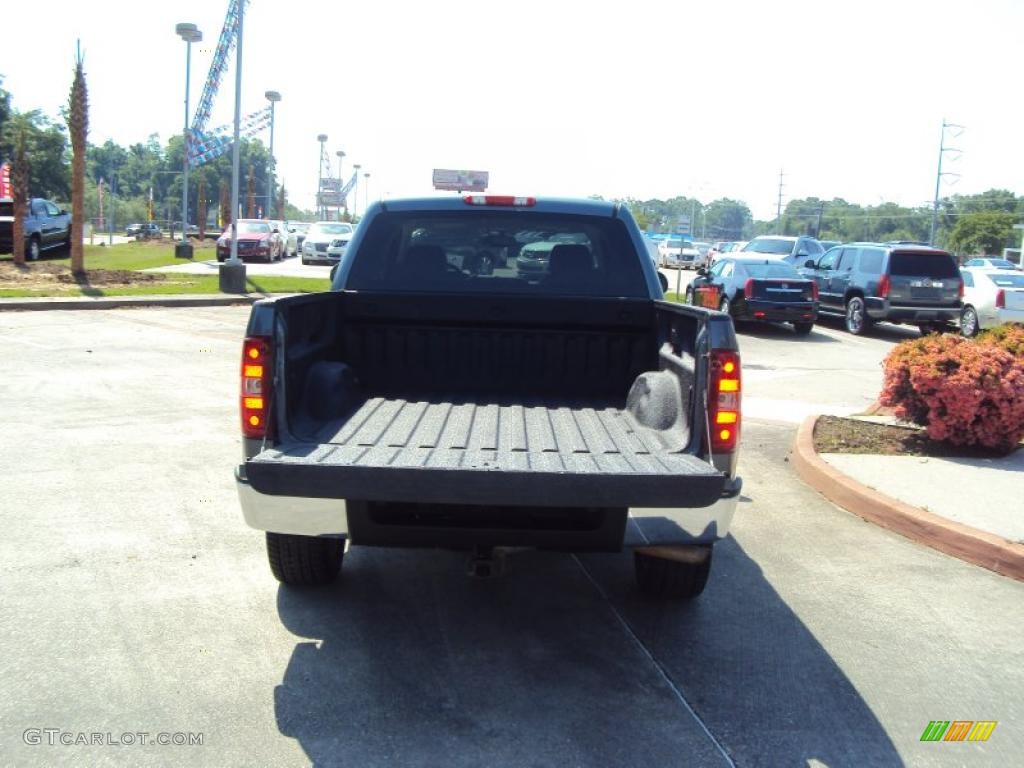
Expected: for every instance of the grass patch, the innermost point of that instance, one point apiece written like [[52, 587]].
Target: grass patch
[[171, 285], [116, 271], [131, 256]]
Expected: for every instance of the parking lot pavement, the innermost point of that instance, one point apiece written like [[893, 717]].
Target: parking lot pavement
[[787, 377], [135, 599], [291, 267]]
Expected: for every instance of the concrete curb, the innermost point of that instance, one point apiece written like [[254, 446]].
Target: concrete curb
[[961, 541], [118, 302]]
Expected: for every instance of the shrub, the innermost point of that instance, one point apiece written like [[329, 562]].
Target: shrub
[[1009, 337], [964, 393]]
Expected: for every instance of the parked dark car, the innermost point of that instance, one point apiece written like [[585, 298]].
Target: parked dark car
[[47, 227], [756, 288], [897, 283], [147, 231]]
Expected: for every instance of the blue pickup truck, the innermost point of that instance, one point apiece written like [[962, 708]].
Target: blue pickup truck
[[47, 227], [441, 394]]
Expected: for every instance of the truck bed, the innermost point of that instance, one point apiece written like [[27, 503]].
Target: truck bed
[[527, 453]]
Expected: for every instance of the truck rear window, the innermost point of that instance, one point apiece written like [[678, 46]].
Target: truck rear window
[[498, 252], [922, 264]]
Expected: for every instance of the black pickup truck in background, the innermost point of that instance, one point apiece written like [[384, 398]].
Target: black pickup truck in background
[[425, 402], [47, 227]]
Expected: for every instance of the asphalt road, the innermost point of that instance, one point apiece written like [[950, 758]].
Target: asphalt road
[[134, 599]]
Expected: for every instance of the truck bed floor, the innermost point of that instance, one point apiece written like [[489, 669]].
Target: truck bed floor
[[527, 453]]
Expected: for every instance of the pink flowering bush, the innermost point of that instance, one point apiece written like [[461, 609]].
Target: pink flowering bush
[[963, 392]]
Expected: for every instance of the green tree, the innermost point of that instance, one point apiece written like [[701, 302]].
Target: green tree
[[985, 232], [5, 110], [727, 219], [45, 148]]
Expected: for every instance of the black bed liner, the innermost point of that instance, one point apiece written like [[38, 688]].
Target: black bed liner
[[451, 452]]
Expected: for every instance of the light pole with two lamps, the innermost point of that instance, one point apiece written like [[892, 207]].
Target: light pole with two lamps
[[190, 34]]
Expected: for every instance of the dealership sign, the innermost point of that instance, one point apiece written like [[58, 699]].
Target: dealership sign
[[461, 181], [5, 180]]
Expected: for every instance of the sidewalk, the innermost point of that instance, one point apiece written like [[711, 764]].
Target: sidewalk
[[969, 508]]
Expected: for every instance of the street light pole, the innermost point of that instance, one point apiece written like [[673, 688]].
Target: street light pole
[[322, 138], [232, 271], [273, 97], [355, 192], [366, 192], [190, 34]]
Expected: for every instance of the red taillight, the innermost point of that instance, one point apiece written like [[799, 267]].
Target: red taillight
[[498, 200], [883, 286], [960, 291], [256, 386], [814, 291], [748, 288], [724, 401], [1000, 297]]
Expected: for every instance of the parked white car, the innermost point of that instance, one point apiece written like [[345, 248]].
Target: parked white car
[[291, 243], [991, 297], [326, 241], [675, 252], [992, 263]]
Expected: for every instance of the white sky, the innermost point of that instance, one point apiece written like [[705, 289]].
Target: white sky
[[570, 97]]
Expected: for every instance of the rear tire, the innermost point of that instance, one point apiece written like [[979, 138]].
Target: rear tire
[[304, 561], [857, 320], [663, 281], [969, 322], [803, 329], [661, 577]]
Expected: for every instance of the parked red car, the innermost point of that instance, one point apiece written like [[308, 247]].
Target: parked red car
[[258, 240]]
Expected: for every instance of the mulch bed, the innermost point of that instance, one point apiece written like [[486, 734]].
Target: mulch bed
[[44, 275], [833, 434]]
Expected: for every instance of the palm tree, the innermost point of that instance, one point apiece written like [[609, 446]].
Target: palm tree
[[251, 195], [201, 209], [225, 205], [281, 198], [19, 191], [78, 127]]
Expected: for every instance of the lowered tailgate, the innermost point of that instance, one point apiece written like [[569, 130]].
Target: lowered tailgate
[[508, 454]]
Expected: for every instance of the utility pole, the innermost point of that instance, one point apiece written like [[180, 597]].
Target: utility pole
[[817, 227], [959, 129], [320, 207], [778, 209]]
